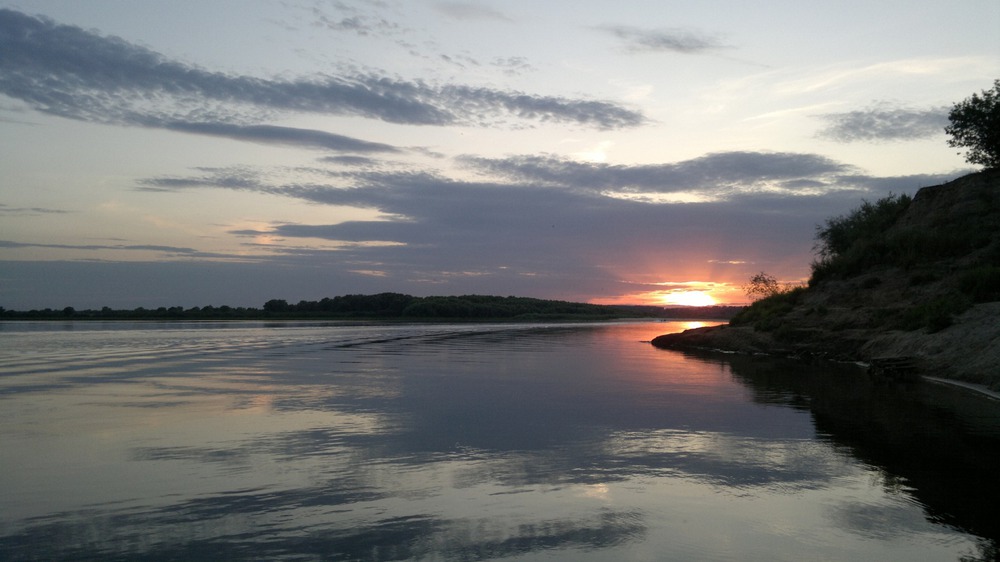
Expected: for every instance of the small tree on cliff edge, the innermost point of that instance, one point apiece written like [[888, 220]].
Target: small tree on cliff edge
[[975, 125], [762, 286]]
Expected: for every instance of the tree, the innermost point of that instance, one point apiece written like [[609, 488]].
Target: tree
[[975, 125], [276, 305], [762, 286]]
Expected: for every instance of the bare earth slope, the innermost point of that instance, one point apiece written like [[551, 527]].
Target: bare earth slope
[[932, 295]]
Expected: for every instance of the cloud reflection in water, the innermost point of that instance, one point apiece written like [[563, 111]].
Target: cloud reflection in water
[[464, 442]]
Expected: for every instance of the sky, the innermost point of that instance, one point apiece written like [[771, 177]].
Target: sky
[[223, 152]]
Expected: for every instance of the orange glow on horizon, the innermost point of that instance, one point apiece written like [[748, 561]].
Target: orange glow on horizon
[[689, 298], [680, 293]]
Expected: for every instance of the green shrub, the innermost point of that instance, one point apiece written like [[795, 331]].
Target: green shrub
[[880, 317], [912, 246], [850, 243], [820, 310], [768, 313], [922, 278], [871, 282], [981, 284], [935, 314]]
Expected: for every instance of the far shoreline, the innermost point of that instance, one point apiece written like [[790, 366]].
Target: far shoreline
[[568, 319]]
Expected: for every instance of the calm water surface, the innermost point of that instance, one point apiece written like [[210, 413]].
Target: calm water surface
[[472, 442]]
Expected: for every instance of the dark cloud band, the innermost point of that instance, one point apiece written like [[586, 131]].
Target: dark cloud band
[[71, 72], [713, 174], [270, 134], [533, 210]]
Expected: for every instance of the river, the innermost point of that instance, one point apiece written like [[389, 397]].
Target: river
[[324, 441]]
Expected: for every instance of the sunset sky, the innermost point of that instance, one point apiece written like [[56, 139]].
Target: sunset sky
[[187, 153]]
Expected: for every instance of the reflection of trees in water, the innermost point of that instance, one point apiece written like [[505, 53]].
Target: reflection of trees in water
[[938, 444]]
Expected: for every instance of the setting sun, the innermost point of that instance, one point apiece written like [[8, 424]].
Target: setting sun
[[689, 298]]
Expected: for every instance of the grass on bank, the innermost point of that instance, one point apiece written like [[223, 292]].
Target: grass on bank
[[870, 237]]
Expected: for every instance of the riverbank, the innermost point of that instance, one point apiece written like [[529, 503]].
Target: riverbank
[[977, 388], [968, 350], [954, 355], [919, 285]]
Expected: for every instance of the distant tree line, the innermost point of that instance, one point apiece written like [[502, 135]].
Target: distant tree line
[[394, 305], [387, 306], [140, 313]]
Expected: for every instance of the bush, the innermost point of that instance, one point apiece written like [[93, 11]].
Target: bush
[[850, 243], [871, 282], [862, 239], [935, 314], [923, 278], [981, 284], [768, 313]]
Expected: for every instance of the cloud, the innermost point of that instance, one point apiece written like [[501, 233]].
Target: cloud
[[129, 284], [684, 41], [461, 60], [235, 178], [171, 250], [270, 134], [902, 184], [713, 175], [73, 73], [468, 11], [883, 122], [354, 21], [350, 160], [555, 222], [513, 65], [766, 177], [517, 232], [9, 211]]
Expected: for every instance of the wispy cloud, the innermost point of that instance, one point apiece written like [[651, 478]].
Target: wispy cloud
[[714, 175], [884, 121], [350, 160], [684, 41], [169, 250], [74, 73], [9, 211], [367, 182], [513, 65], [470, 11], [353, 20], [270, 134]]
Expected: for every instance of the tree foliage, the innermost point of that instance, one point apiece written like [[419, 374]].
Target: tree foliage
[[762, 286], [975, 126], [772, 301], [857, 239]]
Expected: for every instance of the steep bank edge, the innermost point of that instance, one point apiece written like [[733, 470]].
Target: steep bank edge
[[967, 350]]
